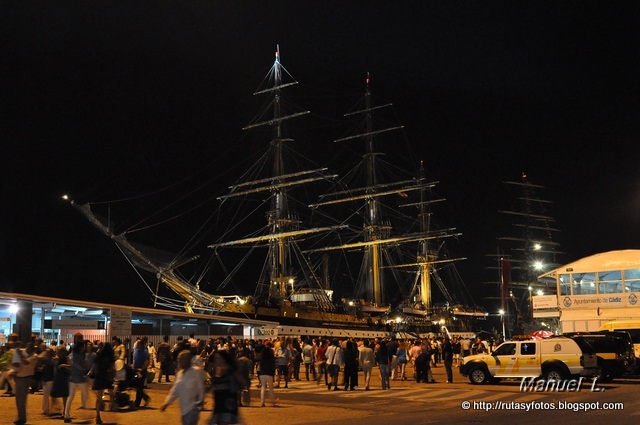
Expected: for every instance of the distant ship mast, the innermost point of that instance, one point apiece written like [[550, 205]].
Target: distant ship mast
[[530, 250]]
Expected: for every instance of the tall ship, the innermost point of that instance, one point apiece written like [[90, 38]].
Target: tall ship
[[527, 248], [325, 254]]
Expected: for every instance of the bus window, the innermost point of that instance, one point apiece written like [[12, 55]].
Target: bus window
[[610, 282]]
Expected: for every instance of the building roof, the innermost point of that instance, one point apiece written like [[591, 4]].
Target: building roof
[[605, 261], [69, 308]]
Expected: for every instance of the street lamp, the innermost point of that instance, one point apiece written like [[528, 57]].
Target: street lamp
[[504, 334], [531, 301], [291, 282]]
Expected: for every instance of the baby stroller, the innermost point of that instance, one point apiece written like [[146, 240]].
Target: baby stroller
[[245, 398], [123, 382]]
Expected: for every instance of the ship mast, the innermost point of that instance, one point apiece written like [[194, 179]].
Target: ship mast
[[283, 226], [423, 255], [277, 217], [373, 227], [528, 252], [426, 259], [376, 232]]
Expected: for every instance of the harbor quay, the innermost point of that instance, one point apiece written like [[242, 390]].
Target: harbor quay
[[303, 402]]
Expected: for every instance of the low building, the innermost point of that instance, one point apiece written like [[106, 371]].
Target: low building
[[60, 318], [593, 291]]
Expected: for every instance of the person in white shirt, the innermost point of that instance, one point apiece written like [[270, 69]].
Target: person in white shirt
[[189, 388], [335, 360], [24, 363], [465, 345], [367, 361], [152, 356]]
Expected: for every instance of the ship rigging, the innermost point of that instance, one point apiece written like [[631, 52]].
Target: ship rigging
[[401, 253]]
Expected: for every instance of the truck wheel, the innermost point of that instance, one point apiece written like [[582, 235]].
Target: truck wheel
[[477, 375], [603, 373], [553, 374]]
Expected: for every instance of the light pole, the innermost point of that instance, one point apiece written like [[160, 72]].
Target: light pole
[[530, 302], [504, 334]]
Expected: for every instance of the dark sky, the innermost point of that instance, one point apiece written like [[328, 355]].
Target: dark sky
[[108, 99]]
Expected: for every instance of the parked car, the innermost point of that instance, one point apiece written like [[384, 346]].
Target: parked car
[[552, 359], [630, 326], [614, 351]]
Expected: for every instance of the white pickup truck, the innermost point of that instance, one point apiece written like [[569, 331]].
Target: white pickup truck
[[552, 359]]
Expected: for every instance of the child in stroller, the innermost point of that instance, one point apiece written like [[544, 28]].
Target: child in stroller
[[123, 382]]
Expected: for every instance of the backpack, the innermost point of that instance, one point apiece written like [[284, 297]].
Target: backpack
[[402, 356]]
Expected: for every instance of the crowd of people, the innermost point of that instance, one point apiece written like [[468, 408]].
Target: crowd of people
[[225, 366]]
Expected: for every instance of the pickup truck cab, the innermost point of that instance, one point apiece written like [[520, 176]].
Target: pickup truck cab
[[552, 359]]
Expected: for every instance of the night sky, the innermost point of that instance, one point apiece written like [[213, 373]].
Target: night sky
[[106, 100]]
